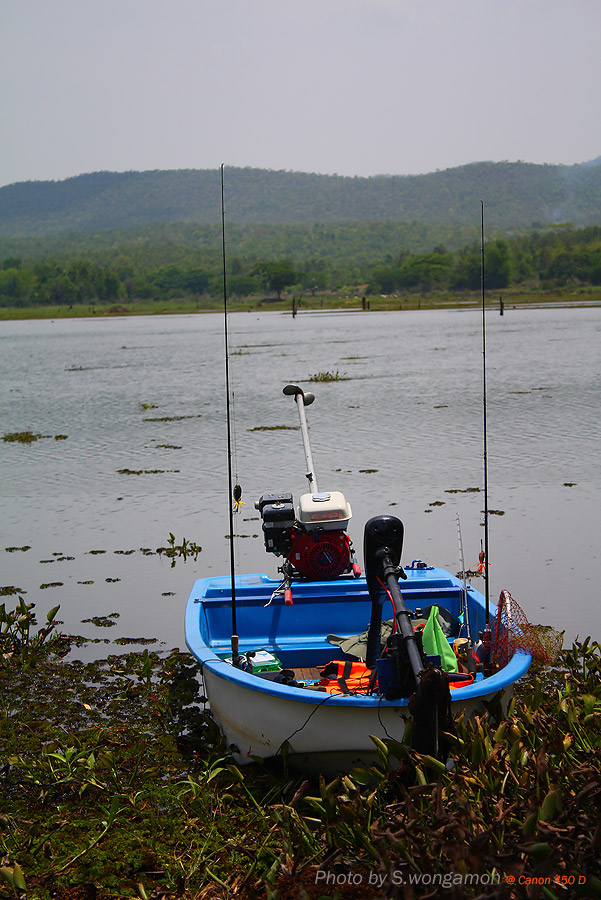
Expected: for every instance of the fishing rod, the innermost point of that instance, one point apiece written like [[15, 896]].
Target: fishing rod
[[234, 640], [485, 454]]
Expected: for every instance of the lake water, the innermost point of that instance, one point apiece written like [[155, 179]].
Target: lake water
[[400, 432]]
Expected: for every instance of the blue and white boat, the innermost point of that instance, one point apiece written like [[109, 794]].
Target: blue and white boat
[[264, 646]]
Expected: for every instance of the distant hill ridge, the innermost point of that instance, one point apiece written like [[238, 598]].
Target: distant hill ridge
[[517, 195]]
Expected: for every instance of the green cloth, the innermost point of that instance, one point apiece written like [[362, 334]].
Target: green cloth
[[435, 643]]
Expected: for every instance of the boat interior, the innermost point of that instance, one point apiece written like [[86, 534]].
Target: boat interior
[[298, 634]]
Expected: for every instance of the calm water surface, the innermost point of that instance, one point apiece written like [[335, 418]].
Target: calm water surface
[[401, 432]]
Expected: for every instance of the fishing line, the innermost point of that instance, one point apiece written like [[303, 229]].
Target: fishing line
[[234, 433], [234, 639], [234, 481]]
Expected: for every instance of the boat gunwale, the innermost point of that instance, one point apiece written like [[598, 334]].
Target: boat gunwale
[[486, 687]]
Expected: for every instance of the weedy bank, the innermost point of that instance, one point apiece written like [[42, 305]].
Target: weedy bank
[[114, 783]]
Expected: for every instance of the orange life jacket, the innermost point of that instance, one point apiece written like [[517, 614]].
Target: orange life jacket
[[346, 677]]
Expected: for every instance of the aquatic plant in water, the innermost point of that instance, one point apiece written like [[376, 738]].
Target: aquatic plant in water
[[179, 551], [18, 637], [23, 437], [326, 376], [28, 437]]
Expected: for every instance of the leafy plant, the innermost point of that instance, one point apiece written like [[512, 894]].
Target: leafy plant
[[15, 878], [326, 376], [180, 551], [18, 641]]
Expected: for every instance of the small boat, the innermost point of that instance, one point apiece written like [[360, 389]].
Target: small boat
[[315, 662]]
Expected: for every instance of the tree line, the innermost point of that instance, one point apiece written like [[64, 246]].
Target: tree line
[[557, 257]]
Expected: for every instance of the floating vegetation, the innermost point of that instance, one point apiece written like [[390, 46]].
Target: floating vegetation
[[166, 447], [368, 471], [96, 552], [437, 503], [327, 376], [472, 490], [148, 406], [171, 418], [102, 621], [442, 406], [145, 471], [569, 483], [42, 561], [124, 552], [28, 437], [530, 391], [112, 580], [179, 551], [23, 437], [51, 584], [496, 512], [85, 582], [168, 594], [274, 428], [9, 590], [137, 640], [17, 549]]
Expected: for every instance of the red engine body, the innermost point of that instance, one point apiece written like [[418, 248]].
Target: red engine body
[[320, 554]]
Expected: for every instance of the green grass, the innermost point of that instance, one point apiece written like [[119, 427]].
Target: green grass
[[324, 302], [115, 781]]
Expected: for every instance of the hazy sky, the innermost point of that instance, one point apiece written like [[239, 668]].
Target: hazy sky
[[357, 87]]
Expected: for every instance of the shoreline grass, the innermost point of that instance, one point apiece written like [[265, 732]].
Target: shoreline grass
[[116, 783], [320, 302]]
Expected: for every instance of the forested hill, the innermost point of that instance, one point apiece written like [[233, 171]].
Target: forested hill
[[517, 196]]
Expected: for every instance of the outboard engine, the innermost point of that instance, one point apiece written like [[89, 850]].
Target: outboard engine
[[313, 539], [321, 548], [277, 512]]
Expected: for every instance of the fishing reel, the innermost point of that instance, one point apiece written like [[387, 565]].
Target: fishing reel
[[314, 539]]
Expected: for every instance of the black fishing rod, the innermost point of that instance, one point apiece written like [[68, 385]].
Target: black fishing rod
[[485, 454], [235, 655]]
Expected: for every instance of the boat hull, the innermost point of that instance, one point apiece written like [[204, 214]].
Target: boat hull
[[260, 717]]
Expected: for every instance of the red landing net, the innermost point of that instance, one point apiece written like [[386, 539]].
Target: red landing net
[[512, 631]]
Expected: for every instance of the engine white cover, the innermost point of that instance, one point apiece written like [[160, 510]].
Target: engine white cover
[[328, 511]]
